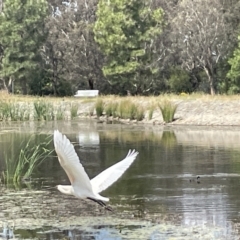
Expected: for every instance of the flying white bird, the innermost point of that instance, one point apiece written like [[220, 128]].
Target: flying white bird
[[81, 186]]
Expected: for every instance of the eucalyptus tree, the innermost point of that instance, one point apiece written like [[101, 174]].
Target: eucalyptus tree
[[126, 31], [22, 35], [70, 51], [202, 36]]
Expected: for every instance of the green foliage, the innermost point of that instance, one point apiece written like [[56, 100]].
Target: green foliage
[[99, 107], [234, 72], [13, 111], [168, 110], [40, 83], [64, 88], [111, 109], [139, 116], [17, 112], [5, 108], [22, 164], [130, 110], [235, 63], [150, 112], [22, 35], [59, 114], [43, 110], [179, 80], [124, 31], [74, 110]]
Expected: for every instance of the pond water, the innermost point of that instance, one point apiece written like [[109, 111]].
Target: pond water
[[159, 197]]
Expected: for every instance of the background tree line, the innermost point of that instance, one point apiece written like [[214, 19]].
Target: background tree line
[[120, 46]]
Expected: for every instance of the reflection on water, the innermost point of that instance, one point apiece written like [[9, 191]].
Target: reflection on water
[[157, 198], [88, 138]]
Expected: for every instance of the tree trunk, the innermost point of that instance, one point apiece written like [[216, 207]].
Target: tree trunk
[[4, 85], [212, 89], [90, 83], [54, 76], [210, 80], [54, 87]]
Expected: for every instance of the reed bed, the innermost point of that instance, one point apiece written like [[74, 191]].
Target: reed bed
[[25, 108], [74, 110], [99, 106], [29, 157], [124, 109], [151, 111], [111, 109], [43, 110]]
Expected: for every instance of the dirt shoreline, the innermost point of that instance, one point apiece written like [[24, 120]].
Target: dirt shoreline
[[196, 112]]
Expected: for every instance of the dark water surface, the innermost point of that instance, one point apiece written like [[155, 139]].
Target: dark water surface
[[159, 197]]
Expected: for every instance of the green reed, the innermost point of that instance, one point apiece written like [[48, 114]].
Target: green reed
[[43, 110], [22, 164], [99, 106], [74, 110], [168, 110]]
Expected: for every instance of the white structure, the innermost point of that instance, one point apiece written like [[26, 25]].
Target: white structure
[[86, 93]]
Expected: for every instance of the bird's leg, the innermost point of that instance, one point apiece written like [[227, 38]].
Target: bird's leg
[[109, 208], [101, 203]]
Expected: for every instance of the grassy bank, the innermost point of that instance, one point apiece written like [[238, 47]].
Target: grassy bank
[[28, 108], [162, 108]]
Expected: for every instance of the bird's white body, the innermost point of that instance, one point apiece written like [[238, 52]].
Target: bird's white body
[[81, 186]]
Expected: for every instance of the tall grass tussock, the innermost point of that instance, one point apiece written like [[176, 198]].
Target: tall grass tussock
[[13, 111], [99, 105], [168, 110], [43, 110], [74, 110], [29, 108], [124, 109], [150, 111], [111, 109]]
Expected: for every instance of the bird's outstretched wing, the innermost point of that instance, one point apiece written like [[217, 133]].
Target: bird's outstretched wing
[[111, 174], [70, 162]]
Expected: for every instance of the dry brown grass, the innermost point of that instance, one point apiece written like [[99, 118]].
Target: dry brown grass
[[146, 100]]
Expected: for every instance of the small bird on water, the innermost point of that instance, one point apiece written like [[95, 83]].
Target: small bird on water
[[81, 186], [198, 180]]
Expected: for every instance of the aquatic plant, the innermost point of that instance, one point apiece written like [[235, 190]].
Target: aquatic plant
[[59, 114], [17, 112], [130, 110], [139, 114], [111, 109], [99, 105], [150, 112], [4, 110], [127, 110], [22, 164], [74, 110], [168, 110], [13, 111], [43, 110]]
